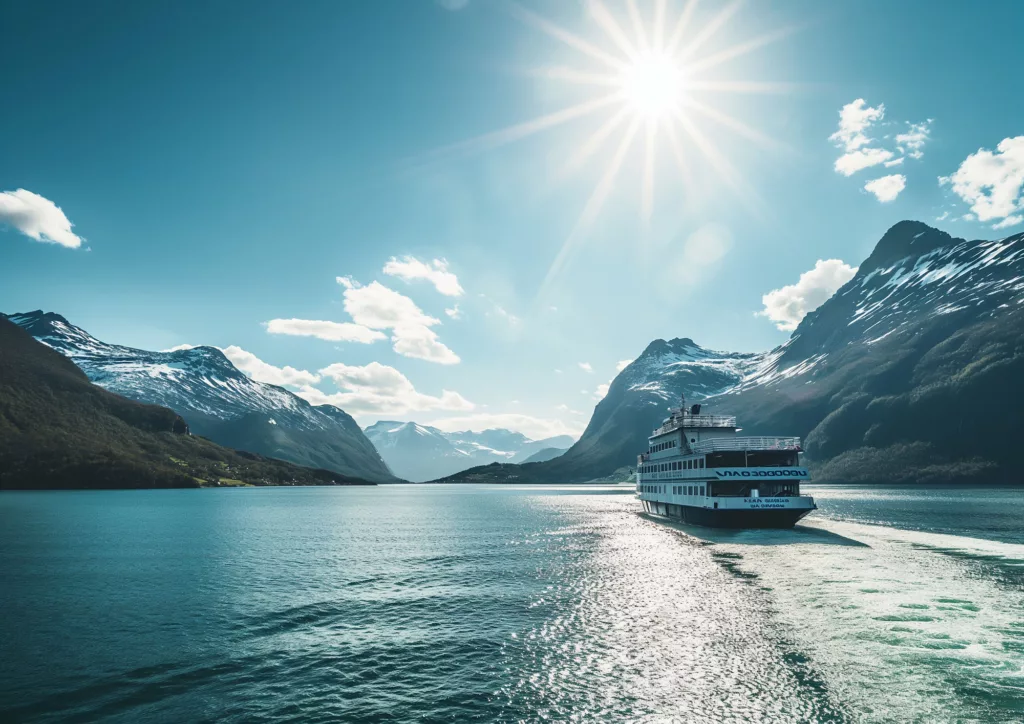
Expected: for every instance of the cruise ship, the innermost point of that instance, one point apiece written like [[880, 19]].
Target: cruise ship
[[698, 470]]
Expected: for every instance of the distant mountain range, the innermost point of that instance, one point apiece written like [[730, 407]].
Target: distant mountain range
[[912, 371], [420, 453], [217, 400], [58, 430]]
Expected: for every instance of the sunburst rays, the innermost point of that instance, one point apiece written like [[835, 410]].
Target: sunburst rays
[[648, 68]]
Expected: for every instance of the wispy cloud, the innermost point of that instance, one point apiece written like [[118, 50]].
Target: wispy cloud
[[850, 163], [860, 151], [262, 371], [436, 272], [788, 305], [992, 182], [37, 218], [912, 142], [454, 312], [586, 367], [329, 331], [886, 188], [377, 389]]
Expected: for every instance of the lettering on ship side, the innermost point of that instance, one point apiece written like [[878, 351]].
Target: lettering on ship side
[[759, 473]]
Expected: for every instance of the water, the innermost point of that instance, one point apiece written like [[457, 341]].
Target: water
[[436, 603]]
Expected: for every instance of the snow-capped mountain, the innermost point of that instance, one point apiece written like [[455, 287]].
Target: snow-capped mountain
[[911, 371], [420, 452], [217, 400], [639, 398]]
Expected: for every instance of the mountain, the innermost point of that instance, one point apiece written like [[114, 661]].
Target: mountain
[[217, 400], [420, 453], [545, 454], [912, 371], [59, 430]]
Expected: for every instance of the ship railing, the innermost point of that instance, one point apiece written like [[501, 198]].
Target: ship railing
[[696, 421], [746, 443]]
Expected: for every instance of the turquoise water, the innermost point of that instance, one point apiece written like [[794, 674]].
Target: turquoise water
[[438, 603]]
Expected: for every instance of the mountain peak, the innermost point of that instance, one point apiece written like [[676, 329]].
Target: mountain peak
[[903, 239]]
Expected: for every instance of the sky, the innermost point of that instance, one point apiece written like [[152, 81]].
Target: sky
[[472, 213]]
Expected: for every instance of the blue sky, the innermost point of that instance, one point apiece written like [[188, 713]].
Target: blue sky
[[227, 165]]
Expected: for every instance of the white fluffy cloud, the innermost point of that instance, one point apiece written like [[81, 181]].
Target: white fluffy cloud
[[586, 367], [436, 272], [788, 305], [850, 163], [602, 391], [37, 217], [535, 428], [886, 188], [180, 347], [454, 312], [992, 182], [330, 331], [378, 307], [262, 371], [623, 364], [855, 118], [376, 389]]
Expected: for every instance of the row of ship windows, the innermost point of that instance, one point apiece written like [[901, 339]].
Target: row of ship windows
[[692, 464], [676, 489], [662, 446]]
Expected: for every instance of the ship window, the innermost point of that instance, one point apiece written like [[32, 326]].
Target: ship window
[[689, 490], [702, 462]]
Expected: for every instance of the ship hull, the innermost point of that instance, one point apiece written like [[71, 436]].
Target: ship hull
[[727, 518]]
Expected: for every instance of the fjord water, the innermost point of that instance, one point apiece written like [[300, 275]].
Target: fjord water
[[462, 603]]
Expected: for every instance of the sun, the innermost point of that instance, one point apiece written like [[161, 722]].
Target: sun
[[653, 85], [651, 79]]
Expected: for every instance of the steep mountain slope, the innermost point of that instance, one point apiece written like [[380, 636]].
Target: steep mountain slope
[[58, 430], [217, 400], [420, 452], [912, 371]]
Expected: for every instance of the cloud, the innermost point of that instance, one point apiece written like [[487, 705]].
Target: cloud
[[329, 331], [992, 181], [565, 408], [558, 371], [602, 391], [1008, 222], [376, 389], [586, 367], [180, 347], [623, 364], [854, 119], [850, 163], [436, 272], [887, 188], [37, 217], [912, 142], [454, 312], [535, 428], [788, 305], [262, 371], [374, 308]]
